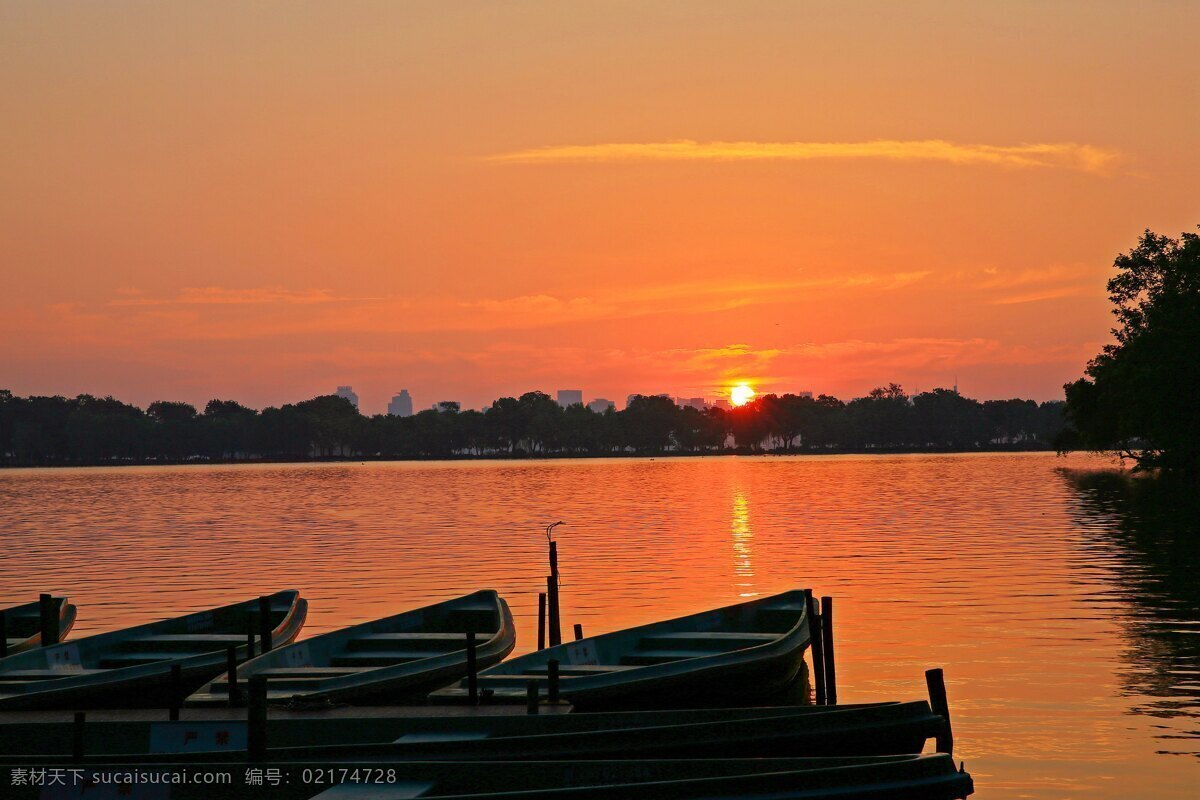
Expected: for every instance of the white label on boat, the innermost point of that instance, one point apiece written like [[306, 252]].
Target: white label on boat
[[583, 652], [200, 622], [197, 737], [69, 782], [63, 658], [297, 656]]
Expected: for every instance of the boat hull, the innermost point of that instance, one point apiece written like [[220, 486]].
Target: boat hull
[[145, 685]]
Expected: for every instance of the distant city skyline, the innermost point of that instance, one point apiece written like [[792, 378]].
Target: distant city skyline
[[403, 403]]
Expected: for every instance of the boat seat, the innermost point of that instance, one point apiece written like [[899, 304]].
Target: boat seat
[[303, 672], [118, 660], [568, 670], [644, 658], [21, 675], [441, 642], [716, 641], [381, 658], [291, 678], [182, 642]]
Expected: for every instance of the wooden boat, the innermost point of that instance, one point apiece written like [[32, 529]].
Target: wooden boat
[[785, 731], [132, 667], [23, 624], [390, 660], [735, 655], [904, 777]]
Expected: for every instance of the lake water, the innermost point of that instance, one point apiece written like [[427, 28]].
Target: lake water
[[1064, 606]]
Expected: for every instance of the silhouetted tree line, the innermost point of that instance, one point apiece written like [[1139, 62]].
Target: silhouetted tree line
[[91, 430], [1141, 396]]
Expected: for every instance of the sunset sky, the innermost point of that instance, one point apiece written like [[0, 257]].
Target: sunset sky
[[260, 202]]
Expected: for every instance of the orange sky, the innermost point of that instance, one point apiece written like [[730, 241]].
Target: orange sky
[[262, 202]]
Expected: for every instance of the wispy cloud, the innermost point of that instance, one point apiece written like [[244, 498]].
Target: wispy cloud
[[219, 295], [1062, 155]]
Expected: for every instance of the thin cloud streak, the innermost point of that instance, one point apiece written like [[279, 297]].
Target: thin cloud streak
[[1061, 155]]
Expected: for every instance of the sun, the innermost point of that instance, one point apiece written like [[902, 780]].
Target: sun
[[741, 394]]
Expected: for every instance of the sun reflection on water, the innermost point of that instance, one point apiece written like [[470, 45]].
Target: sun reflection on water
[[743, 538]]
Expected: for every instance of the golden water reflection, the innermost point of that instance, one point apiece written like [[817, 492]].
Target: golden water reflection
[[743, 540]]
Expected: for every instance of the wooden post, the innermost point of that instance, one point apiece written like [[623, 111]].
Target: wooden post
[[472, 670], [249, 636], [552, 600], [256, 719], [541, 620], [77, 736], [936, 682], [49, 613], [531, 697], [827, 642], [264, 623], [3, 634], [555, 610], [578, 631], [176, 691], [552, 680], [818, 646], [231, 664]]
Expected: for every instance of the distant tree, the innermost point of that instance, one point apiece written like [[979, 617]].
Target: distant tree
[[229, 429], [944, 418], [1140, 396], [749, 424], [175, 433], [506, 422], [884, 418], [648, 422], [330, 423]]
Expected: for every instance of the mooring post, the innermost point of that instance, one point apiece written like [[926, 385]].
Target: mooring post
[[249, 636], [231, 668], [827, 643], [578, 631], [552, 680], [936, 682], [176, 691], [552, 601], [264, 623], [552, 588], [817, 645], [49, 618], [77, 736], [531, 697], [256, 719], [472, 670], [3, 635], [541, 620]]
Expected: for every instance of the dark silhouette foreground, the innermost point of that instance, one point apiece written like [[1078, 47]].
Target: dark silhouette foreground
[[1141, 396]]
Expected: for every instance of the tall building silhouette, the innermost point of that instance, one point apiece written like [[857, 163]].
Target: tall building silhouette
[[569, 397], [401, 405], [600, 405], [348, 393]]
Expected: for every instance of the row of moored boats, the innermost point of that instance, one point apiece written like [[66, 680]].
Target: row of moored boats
[[689, 707]]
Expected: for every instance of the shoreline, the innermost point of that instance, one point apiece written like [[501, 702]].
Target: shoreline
[[839, 451]]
